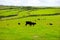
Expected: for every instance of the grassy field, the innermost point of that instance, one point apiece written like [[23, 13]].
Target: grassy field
[[47, 23]]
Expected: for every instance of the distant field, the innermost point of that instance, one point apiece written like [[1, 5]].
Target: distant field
[[13, 20]]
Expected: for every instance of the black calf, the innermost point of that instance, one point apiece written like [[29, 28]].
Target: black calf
[[30, 23]]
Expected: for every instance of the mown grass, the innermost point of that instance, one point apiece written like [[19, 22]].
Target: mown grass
[[10, 30]]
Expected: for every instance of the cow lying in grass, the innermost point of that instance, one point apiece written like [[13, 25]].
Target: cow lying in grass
[[30, 23]]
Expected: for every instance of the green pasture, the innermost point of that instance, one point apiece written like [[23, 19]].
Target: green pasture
[[11, 30]]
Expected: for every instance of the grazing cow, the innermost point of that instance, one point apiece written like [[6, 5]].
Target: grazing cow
[[30, 23]]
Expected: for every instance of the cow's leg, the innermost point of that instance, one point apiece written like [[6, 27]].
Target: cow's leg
[[26, 24]]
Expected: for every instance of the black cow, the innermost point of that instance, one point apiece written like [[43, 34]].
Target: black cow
[[30, 23]]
